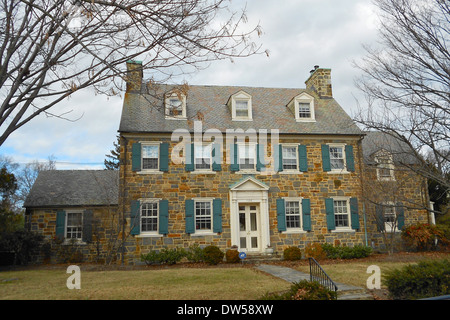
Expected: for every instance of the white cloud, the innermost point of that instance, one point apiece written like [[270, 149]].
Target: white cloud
[[298, 34]]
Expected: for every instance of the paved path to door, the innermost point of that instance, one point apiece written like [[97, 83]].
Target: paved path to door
[[292, 275]]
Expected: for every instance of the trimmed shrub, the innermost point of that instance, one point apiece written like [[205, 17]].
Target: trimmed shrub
[[232, 256], [303, 290], [424, 280], [339, 252], [292, 253], [213, 255], [164, 256], [195, 253]]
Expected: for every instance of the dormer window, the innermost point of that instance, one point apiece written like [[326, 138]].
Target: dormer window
[[385, 166], [302, 106], [240, 105], [175, 105]]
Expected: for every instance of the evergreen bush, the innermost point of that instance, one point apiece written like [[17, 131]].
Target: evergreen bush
[[426, 279]]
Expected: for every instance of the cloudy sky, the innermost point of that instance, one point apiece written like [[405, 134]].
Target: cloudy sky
[[298, 33]]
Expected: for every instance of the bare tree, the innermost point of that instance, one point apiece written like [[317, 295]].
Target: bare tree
[[50, 49], [406, 81]]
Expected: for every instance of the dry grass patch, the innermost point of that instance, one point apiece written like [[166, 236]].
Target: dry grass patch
[[164, 284]]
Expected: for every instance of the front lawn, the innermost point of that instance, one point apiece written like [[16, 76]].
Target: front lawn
[[177, 283]]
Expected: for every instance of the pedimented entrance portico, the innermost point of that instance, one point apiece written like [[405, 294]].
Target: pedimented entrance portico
[[249, 211]]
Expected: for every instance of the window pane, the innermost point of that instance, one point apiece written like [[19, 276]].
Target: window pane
[[292, 214], [175, 108], [336, 158], [247, 157], [149, 217], [74, 225], [341, 213], [203, 216], [150, 155], [202, 157], [304, 110], [290, 158], [241, 108]]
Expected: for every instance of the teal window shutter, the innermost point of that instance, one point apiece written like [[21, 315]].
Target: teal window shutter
[[189, 158], [60, 224], [260, 155], [400, 211], [349, 158], [163, 217], [326, 163], [281, 215], [306, 214], [217, 215], [136, 157], [190, 216], [379, 217], [354, 215], [329, 209], [135, 217], [280, 157], [234, 158], [302, 158], [86, 235], [164, 157], [216, 157]]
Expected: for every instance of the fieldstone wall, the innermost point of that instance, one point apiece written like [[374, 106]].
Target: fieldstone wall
[[177, 185]]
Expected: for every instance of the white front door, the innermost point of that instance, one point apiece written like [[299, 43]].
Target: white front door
[[249, 228]]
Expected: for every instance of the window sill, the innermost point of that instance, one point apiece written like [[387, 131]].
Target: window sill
[[77, 242], [343, 230], [290, 172], [149, 235], [150, 172], [203, 172], [295, 231], [203, 233], [338, 172], [305, 120], [176, 118]]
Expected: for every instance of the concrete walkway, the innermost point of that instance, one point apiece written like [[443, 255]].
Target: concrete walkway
[[345, 291]]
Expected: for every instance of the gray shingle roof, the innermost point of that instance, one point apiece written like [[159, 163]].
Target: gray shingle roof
[[145, 112], [58, 188], [375, 141]]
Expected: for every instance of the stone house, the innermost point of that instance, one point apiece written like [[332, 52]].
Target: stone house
[[74, 210], [250, 167], [393, 194]]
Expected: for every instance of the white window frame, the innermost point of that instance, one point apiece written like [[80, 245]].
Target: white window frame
[[344, 158], [240, 97], [145, 202], [168, 105], [249, 145], [203, 145], [203, 232], [300, 212], [295, 105], [385, 165], [291, 171], [66, 226], [156, 144], [389, 227], [348, 213]]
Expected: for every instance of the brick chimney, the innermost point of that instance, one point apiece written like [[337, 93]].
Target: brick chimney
[[134, 75], [320, 81]]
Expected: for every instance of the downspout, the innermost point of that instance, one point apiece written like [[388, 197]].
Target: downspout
[[124, 159], [361, 164]]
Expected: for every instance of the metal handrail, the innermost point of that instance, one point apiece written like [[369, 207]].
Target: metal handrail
[[316, 273]]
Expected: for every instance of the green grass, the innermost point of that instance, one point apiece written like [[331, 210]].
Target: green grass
[[166, 284]]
